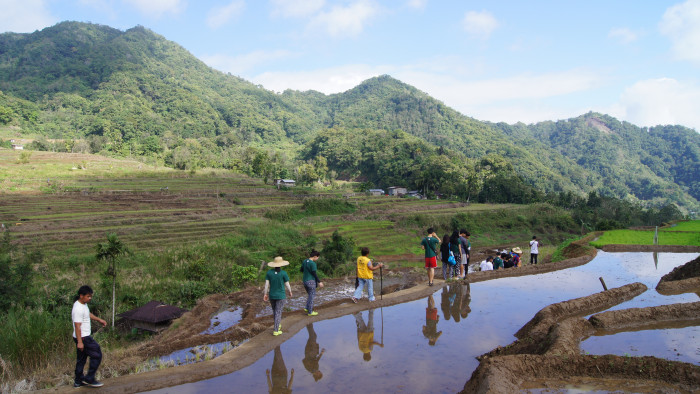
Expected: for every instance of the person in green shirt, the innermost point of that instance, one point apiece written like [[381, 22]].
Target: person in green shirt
[[275, 282], [311, 281], [430, 245]]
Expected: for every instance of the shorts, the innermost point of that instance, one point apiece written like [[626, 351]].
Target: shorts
[[431, 262]]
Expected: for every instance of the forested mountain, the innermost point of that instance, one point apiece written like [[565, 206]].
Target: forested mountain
[[134, 93]]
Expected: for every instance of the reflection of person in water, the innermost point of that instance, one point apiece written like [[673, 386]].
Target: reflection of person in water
[[431, 319], [312, 355], [448, 299], [278, 383], [365, 334], [466, 299], [456, 306]]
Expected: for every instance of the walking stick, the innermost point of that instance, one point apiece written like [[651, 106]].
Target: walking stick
[[381, 287]]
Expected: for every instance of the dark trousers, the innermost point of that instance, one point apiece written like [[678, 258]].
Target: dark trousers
[[90, 349]]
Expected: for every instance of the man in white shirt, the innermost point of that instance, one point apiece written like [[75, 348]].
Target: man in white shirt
[[86, 346], [534, 251], [487, 264]]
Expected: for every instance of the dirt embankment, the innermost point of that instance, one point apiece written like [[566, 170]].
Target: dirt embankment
[[547, 352], [683, 279], [186, 331]]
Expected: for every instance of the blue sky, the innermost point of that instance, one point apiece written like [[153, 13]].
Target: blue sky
[[504, 61]]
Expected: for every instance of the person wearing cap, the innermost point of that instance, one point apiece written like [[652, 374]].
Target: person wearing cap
[[276, 280], [516, 252]]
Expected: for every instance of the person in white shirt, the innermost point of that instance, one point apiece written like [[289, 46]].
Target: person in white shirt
[[534, 245], [86, 346], [487, 264]]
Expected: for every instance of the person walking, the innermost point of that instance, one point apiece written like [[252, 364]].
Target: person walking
[[311, 281], [365, 275], [85, 344], [534, 249], [430, 244], [456, 249], [444, 256], [276, 280], [466, 251]]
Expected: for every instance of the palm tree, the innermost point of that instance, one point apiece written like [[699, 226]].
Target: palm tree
[[109, 251]]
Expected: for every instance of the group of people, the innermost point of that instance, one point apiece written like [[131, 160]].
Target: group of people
[[277, 281], [454, 251], [512, 259]]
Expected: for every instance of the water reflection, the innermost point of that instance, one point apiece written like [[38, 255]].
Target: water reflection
[[495, 309], [365, 334], [431, 320], [277, 378], [312, 355]]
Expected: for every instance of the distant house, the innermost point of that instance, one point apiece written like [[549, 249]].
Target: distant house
[[397, 191], [414, 194], [154, 316], [376, 192], [285, 182], [17, 147]]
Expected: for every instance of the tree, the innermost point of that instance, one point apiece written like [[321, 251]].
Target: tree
[[110, 251]]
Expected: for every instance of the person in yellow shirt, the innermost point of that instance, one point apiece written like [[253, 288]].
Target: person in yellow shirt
[[365, 275], [365, 334]]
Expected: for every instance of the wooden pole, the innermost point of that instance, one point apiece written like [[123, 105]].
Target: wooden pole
[[603, 282]]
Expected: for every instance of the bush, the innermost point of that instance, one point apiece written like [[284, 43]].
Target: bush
[[198, 270], [336, 251], [327, 206], [241, 275]]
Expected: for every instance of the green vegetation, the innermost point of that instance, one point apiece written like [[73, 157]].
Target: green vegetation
[[86, 88], [690, 235]]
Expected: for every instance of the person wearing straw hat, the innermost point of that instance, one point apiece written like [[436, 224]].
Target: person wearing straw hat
[[276, 280], [516, 253]]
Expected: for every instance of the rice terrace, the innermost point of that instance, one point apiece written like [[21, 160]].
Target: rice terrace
[[244, 199], [188, 231]]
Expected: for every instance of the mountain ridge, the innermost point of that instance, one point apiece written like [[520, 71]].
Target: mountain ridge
[[135, 91]]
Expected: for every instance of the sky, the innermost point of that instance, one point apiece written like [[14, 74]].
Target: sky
[[500, 61]]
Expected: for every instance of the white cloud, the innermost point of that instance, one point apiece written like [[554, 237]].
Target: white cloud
[[328, 81], [219, 16], [681, 23], [24, 16], [240, 65], [417, 4], [343, 21], [296, 8], [659, 102], [623, 35], [157, 8], [480, 24]]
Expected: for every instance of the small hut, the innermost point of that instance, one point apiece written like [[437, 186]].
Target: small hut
[[376, 192], [155, 316]]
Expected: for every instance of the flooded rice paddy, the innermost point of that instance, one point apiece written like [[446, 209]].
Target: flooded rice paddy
[[430, 345]]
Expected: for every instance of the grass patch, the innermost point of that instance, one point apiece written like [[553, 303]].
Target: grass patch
[[641, 237]]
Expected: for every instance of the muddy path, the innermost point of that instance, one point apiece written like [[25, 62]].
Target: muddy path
[[549, 345], [255, 328]]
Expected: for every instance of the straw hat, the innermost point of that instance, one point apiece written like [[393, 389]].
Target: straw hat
[[278, 262], [517, 250]]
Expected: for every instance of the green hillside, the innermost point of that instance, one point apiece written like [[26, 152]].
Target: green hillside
[[90, 88]]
